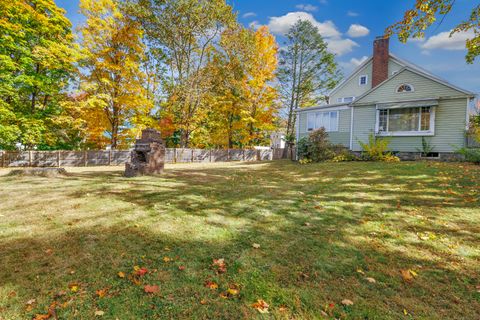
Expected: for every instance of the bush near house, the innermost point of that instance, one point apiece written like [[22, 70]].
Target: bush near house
[[470, 154], [377, 150], [317, 148]]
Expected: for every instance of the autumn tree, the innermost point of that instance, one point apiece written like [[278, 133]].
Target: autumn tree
[[427, 12], [261, 93], [182, 31], [37, 56], [227, 73], [116, 105], [307, 72]]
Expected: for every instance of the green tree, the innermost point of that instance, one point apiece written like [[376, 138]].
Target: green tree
[[426, 12], [37, 60], [307, 70]]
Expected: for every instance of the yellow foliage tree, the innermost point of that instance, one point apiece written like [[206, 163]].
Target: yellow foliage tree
[[242, 99], [116, 105]]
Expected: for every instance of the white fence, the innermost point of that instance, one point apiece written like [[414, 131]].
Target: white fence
[[120, 157]]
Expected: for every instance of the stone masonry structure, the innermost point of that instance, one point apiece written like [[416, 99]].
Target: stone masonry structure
[[148, 155]]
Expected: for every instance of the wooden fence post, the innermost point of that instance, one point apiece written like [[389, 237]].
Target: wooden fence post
[[210, 155], [174, 155], [110, 157], [85, 158], [30, 158], [3, 159], [58, 158], [191, 159], [243, 154]]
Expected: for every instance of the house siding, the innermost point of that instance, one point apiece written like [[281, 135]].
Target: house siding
[[424, 88], [351, 88], [342, 136], [450, 123]]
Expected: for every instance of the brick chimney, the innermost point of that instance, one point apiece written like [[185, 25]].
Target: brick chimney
[[380, 60]]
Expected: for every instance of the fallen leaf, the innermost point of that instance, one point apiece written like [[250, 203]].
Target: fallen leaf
[[73, 287], [283, 309], [166, 259], [42, 316], [31, 301], [203, 301], [121, 274], [220, 265], [360, 271], [406, 275], [181, 268], [347, 302], [140, 271], [233, 291], [256, 245], [261, 306], [99, 313], [307, 224], [371, 280], [211, 285], [49, 252], [151, 289], [101, 292]]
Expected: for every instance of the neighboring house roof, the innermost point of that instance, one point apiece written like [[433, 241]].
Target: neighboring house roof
[[420, 72], [406, 64]]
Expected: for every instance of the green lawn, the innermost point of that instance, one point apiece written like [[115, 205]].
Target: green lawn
[[399, 240]]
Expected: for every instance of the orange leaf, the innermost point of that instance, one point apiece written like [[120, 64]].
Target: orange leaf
[[101, 292], [261, 306], [211, 285]]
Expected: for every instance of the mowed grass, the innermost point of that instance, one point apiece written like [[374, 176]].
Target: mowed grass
[[323, 229]]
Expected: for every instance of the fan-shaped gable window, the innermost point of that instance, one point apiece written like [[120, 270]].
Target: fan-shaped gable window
[[405, 88]]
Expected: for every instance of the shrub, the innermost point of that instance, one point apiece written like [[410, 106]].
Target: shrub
[[427, 147], [316, 147], [377, 149], [471, 155], [345, 155]]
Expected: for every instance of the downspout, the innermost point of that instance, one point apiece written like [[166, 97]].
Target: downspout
[[351, 127]]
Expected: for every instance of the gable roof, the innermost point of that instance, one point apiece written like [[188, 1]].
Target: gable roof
[[416, 71], [406, 64]]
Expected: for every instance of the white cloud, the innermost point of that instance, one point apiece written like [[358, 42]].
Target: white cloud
[[323, 1], [341, 46], [249, 15], [254, 24], [356, 31], [281, 25], [306, 7], [352, 64], [352, 14], [336, 44], [444, 41]]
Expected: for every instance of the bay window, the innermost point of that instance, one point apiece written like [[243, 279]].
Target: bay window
[[327, 120], [406, 121]]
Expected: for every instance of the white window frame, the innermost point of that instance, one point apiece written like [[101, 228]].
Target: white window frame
[[342, 100], [430, 132], [360, 80], [318, 114], [405, 84]]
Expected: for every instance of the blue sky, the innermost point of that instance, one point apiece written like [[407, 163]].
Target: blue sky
[[350, 27]]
